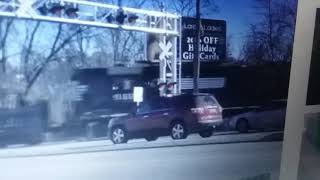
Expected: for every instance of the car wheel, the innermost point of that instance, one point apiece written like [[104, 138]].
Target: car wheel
[[178, 130], [243, 126], [151, 138], [206, 133], [118, 135]]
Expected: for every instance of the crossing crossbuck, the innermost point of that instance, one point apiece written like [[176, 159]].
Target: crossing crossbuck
[[166, 50]]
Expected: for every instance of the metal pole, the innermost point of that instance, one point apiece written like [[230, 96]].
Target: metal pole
[[180, 56], [116, 55], [196, 62], [163, 62]]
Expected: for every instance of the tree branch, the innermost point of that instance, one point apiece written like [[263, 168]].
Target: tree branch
[[54, 51]]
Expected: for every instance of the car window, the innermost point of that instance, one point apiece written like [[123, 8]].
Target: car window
[[205, 101], [143, 108], [158, 103], [181, 102], [211, 99]]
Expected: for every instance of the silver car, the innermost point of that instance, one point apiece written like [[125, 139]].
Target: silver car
[[270, 116]]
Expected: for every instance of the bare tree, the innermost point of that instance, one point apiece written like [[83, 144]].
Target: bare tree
[[81, 40], [229, 48], [187, 7], [28, 47], [253, 50], [62, 37], [5, 27], [125, 45], [271, 38], [76, 52]]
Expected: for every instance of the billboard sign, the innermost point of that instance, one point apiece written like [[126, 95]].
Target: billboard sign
[[212, 39]]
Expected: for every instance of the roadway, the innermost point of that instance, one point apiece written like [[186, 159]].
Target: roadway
[[225, 156]]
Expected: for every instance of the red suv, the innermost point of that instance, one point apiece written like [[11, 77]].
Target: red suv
[[177, 116]]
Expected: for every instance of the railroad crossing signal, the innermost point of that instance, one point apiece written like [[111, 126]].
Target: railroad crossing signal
[[166, 50]]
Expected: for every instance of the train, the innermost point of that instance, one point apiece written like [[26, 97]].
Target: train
[[110, 94]]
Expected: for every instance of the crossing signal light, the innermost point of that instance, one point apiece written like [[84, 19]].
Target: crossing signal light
[[110, 18], [71, 10], [162, 85], [166, 88], [121, 16], [132, 18], [43, 10], [170, 86], [57, 9]]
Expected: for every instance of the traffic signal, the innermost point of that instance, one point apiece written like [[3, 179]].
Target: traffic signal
[[170, 87], [43, 10], [56, 8], [162, 88], [110, 18], [59, 8], [166, 89], [71, 10], [121, 16], [132, 18]]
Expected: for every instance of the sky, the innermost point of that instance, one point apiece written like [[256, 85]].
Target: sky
[[238, 15]]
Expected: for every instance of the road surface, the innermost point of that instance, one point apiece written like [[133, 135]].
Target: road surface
[[185, 160], [98, 145], [309, 167], [205, 162]]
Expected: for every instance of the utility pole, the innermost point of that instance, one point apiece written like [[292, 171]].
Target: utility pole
[[196, 62]]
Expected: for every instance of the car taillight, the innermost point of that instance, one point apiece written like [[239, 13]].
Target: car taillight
[[197, 110], [213, 110]]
